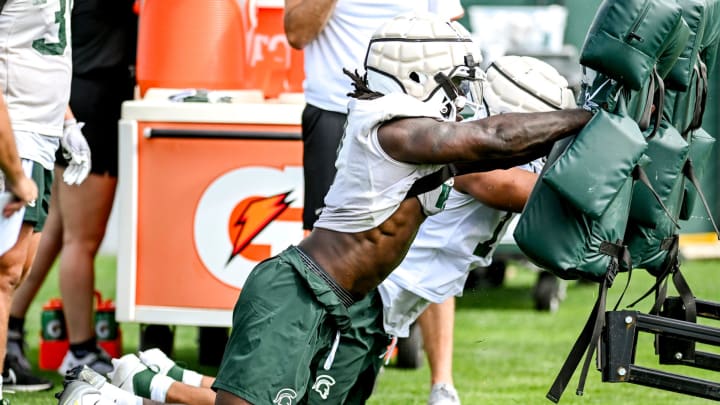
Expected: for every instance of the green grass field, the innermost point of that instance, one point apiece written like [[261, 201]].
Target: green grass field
[[505, 351]]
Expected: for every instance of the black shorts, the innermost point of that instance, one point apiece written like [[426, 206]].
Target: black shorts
[[321, 133], [96, 100]]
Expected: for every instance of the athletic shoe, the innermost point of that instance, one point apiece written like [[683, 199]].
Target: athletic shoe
[[16, 377], [443, 394], [16, 346], [99, 361], [131, 375], [86, 374], [81, 393]]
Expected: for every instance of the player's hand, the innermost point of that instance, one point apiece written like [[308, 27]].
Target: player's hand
[[24, 191], [76, 151]]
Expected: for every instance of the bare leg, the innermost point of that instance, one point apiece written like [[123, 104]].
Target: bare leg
[[48, 248], [11, 272], [207, 381], [186, 394], [436, 323], [85, 210]]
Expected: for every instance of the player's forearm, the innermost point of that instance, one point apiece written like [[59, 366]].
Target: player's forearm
[[519, 138], [305, 19]]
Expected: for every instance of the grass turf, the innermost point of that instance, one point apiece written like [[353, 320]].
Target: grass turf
[[505, 351]]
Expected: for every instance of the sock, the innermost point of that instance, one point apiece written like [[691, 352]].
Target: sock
[[159, 387], [82, 349], [192, 378], [16, 324], [186, 376]]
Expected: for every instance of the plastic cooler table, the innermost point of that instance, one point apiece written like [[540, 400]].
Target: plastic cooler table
[[206, 191]]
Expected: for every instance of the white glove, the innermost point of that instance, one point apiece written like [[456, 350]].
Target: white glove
[[76, 151]]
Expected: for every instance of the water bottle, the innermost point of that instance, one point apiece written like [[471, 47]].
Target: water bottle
[[53, 335]]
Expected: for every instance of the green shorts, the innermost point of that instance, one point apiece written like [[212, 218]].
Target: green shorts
[[284, 324], [359, 357], [37, 214]]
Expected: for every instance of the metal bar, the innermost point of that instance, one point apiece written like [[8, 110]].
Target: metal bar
[[678, 328], [708, 309], [707, 361], [672, 382], [219, 134]]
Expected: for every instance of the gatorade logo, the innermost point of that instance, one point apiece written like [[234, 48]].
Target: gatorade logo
[[102, 329], [245, 216], [54, 329]]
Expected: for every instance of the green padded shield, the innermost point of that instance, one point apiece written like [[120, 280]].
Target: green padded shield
[[701, 145], [649, 225], [553, 231], [597, 163], [627, 37]]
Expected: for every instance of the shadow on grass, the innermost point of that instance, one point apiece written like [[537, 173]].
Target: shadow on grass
[[511, 298]]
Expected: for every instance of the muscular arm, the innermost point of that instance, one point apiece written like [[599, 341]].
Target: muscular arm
[[496, 142], [506, 190], [304, 19]]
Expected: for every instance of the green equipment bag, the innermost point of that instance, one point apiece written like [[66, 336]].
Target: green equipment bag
[[576, 215], [627, 37]]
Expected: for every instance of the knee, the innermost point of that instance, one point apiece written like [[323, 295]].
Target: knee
[[11, 271]]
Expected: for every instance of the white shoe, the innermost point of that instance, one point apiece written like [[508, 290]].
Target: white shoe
[[130, 374], [443, 394], [85, 374], [99, 362], [81, 393], [157, 361]]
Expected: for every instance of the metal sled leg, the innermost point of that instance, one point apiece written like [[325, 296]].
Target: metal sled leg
[[672, 350], [617, 353]]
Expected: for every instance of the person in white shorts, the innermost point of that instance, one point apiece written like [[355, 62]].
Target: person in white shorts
[[35, 73]]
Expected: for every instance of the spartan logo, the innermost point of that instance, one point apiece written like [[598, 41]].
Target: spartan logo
[[322, 385], [285, 397]]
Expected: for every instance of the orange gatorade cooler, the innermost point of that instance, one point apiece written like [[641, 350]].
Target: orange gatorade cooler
[[53, 335], [191, 44], [107, 330]]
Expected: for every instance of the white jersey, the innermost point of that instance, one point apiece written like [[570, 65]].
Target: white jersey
[[450, 244], [343, 41], [446, 248], [370, 185], [36, 64]]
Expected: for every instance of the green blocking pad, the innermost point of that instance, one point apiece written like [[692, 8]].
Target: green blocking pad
[[597, 163], [558, 237], [701, 145], [627, 37], [650, 227]]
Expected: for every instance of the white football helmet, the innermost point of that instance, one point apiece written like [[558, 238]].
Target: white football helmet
[[525, 84], [428, 58]]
